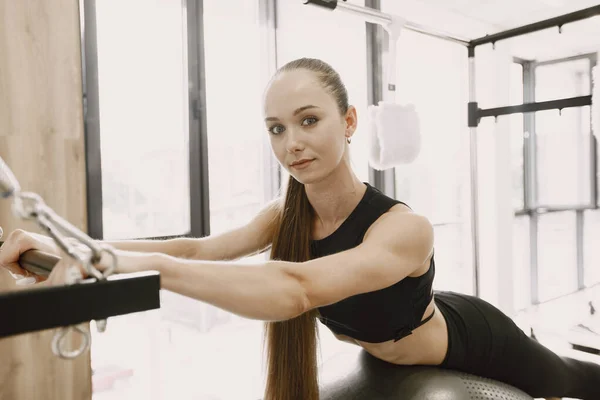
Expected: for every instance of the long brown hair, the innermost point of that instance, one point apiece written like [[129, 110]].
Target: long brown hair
[[292, 371]]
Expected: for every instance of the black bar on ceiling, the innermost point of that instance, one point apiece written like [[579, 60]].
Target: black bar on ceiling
[[579, 101], [538, 26]]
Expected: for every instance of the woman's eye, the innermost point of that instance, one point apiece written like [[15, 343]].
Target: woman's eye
[[276, 130], [309, 121]]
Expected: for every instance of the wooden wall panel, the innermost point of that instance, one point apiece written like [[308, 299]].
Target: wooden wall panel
[[41, 139]]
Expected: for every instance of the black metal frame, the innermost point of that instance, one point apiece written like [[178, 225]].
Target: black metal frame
[[475, 113], [198, 149], [538, 26]]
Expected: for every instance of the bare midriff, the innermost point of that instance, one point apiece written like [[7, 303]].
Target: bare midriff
[[427, 345]]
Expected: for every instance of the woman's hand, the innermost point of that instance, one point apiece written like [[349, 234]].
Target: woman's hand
[[13, 276], [17, 243]]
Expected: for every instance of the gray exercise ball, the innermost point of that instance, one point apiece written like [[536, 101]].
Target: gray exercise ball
[[360, 376]]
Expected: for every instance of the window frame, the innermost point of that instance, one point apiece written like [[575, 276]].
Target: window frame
[[532, 209], [198, 138]]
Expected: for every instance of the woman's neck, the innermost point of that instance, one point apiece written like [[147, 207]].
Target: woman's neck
[[335, 197]]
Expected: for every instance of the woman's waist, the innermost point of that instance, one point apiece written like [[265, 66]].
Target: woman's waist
[[426, 344]]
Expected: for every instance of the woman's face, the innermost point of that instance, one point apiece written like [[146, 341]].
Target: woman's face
[[308, 134]]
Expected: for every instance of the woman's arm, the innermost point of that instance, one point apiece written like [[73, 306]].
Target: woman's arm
[[395, 246], [251, 238]]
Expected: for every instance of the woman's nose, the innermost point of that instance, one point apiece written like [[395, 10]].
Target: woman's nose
[[295, 141]]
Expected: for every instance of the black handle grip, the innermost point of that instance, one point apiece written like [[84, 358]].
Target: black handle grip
[[37, 262]]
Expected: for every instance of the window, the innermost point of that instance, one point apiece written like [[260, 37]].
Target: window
[[143, 84], [436, 184], [144, 148], [142, 79], [522, 262], [557, 254], [591, 237], [517, 137], [562, 183], [563, 158], [563, 139], [562, 79], [236, 133], [206, 341]]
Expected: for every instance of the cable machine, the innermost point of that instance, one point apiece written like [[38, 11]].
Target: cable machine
[[475, 114]]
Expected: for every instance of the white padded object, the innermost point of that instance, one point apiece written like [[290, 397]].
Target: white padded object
[[394, 135]]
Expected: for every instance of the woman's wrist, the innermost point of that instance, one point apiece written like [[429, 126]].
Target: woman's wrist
[[132, 262]]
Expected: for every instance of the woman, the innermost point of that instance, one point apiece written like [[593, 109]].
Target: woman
[[342, 252]]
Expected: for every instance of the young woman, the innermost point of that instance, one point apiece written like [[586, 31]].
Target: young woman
[[341, 252]]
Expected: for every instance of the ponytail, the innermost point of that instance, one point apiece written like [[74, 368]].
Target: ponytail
[[292, 345]]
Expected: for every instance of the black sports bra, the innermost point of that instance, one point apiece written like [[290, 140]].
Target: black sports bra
[[387, 314]]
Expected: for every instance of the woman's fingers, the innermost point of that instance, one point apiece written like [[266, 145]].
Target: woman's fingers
[[66, 271]]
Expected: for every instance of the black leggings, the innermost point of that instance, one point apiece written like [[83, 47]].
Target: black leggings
[[483, 341]]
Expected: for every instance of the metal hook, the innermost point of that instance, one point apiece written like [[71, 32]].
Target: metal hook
[[58, 343], [113, 268]]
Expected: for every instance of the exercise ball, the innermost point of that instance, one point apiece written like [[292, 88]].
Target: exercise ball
[[360, 376]]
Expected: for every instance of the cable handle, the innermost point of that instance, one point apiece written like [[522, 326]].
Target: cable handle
[[37, 262]]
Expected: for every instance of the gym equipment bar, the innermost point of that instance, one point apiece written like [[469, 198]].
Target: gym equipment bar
[[538, 26], [475, 114], [377, 17], [40, 308]]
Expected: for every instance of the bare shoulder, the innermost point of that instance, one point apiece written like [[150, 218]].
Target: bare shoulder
[[402, 230]]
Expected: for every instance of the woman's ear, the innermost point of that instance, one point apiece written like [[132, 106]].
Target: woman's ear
[[351, 119]]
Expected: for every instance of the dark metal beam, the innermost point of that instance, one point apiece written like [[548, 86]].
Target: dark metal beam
[[536, 106], [538, 26]]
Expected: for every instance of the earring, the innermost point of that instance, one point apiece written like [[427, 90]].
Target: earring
[[348, 140]]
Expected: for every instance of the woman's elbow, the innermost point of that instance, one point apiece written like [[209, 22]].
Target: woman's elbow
[[295, 301], [281, 310]]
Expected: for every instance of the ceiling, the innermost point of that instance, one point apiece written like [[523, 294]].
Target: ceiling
[[499, 15]]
